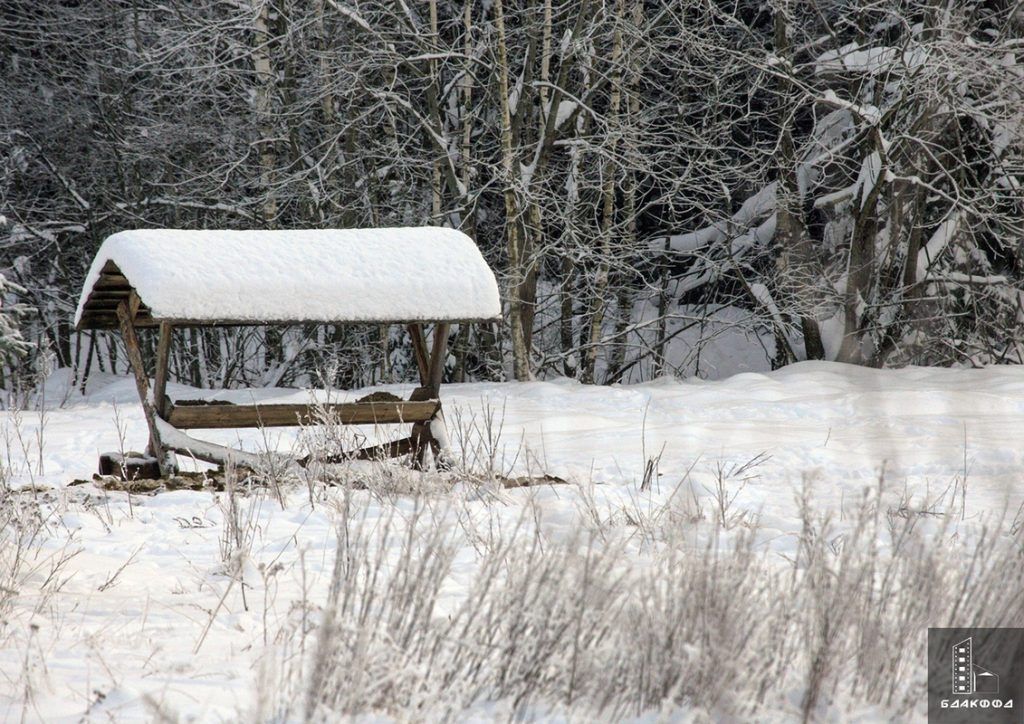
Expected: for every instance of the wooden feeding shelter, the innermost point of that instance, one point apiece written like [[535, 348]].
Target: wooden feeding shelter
[[163, 278]]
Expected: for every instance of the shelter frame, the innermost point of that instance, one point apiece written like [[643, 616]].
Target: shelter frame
[[422, 409]]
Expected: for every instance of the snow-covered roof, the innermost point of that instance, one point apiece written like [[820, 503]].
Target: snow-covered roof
[[250, 277]]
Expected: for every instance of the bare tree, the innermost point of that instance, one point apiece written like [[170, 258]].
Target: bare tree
[[660, 185]]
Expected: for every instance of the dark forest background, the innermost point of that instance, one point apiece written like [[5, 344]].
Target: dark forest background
[[662, 187]]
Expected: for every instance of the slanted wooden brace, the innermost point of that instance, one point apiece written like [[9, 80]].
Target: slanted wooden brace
[[112, 300]]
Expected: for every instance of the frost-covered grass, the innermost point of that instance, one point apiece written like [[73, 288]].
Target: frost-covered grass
[[426, 607], [763, 548], [635, 617]]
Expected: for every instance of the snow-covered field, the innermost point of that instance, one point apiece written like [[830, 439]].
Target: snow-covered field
[[154, 606]]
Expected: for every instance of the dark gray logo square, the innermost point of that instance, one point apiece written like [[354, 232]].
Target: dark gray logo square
[[975, 675]]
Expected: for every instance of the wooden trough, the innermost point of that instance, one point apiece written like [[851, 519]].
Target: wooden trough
[[164, 279]]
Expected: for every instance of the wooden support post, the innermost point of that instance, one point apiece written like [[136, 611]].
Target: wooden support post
[[437, 355], [420, 441], [125, 316], [134, 303], [163, 353], [419, 346], [422, 435]]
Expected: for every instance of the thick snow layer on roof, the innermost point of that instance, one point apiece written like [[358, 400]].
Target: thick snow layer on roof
[[400, 274]]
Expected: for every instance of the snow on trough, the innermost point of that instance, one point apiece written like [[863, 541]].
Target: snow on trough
[[330, 275]]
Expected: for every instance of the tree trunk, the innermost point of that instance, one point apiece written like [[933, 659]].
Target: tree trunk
[[264, 95], [795, 261], [860, 275], [517, 271], [599, 304]]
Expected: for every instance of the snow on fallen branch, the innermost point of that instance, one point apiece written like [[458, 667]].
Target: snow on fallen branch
[[174, 439]]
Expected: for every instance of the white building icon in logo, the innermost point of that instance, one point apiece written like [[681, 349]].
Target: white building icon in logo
[[968, 677]]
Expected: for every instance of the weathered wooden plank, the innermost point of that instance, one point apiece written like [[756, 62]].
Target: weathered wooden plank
[[131, 343], [109, 295], [94, 323], [110, 312], [110, 307], [91, 319], [109, 321], [120, 291], [163, 355], [393, 449], [350, 413], [110, 316]]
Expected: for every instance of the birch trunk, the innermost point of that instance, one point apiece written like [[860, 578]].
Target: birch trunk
[[624, 297], [264, 95], [517, 272], [599, 305]]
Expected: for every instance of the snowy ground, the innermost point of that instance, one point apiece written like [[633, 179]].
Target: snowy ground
[[145, 620]]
